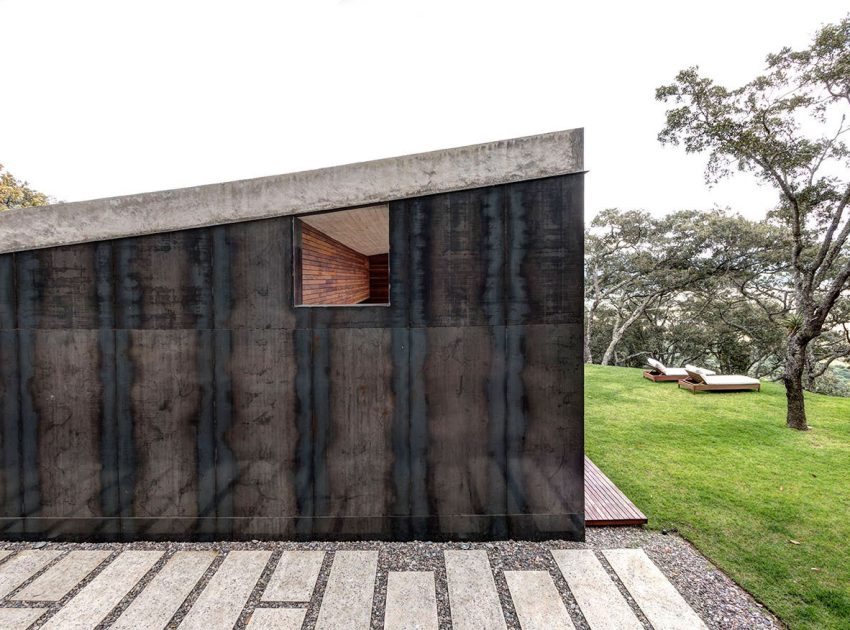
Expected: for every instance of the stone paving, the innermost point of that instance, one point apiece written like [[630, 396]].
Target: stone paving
[[211, 589]]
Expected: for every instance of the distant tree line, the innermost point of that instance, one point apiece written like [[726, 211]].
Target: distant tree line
[[702, 287]]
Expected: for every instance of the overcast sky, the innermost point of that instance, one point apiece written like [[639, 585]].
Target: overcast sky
[[106, 97]]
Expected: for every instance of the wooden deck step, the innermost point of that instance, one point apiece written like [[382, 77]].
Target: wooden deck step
[[604, 503]]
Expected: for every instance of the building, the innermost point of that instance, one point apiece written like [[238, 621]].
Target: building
[[245, 360]]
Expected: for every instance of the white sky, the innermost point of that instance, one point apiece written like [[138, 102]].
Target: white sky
[[107, 97]]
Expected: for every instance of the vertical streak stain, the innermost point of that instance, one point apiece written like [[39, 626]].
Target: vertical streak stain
[[29, 295], [304, 419], [420, 503], [401, 442], [516, 424], [493, 238], [9, 399], [11, 438], [321, 421], [225, 464], [128, 312], [198, 243], [110, 502], [517, 304], [400, 356], [8, 308]]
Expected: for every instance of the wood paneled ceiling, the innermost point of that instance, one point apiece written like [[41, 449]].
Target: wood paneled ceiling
[[366, 230]]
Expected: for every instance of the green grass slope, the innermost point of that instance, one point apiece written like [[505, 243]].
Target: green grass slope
[[723, 470]]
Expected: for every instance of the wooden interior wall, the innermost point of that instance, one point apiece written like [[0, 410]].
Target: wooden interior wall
[[379, 279], [331, 273], [165, 386]]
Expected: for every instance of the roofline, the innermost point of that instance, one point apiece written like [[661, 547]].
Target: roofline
[[336, 187]]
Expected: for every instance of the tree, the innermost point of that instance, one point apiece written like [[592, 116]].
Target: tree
[[637, 264], [17, 194], [786, 127]]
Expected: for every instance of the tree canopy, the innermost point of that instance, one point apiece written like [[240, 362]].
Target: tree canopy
[[786, 127], [15, 193]]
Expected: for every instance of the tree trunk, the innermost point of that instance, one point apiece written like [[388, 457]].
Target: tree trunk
[[612, 346], [588, 336], [591, 317], [619, 330], [795, 365], [616, 335]]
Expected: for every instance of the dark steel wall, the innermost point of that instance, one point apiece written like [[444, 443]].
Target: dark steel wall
[[164, 386]]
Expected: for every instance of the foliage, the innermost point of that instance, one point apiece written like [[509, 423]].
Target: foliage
[[716, 467], [721, 292], [786, 127], [638, 266], [17, 194]]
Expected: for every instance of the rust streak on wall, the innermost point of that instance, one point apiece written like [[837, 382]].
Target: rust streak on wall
[[331, 272]]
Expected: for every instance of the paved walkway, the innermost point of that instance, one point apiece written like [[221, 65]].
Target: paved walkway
[[618, 578], [467, 587]]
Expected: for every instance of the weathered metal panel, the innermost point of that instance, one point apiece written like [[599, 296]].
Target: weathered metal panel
[[263, 435], [545, 244], [10, 434], [451, 275], [165, 281], [201, 404], [260, 275], [172, 460], [464, 482], [8, 305], [357, 456], [545, 442], [60, 288], [66, 394]]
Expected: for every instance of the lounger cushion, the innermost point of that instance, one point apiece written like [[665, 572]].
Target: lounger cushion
[[730, 379], [700, 370], [656, 365], [676, 372]]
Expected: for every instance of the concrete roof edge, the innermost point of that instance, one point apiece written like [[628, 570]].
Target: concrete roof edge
[[349, 185]]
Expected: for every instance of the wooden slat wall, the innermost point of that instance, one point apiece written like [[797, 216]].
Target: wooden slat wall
[[379, 279], [331, 273]]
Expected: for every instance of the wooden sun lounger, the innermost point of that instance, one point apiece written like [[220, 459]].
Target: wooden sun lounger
[[657, 377], [697, 383], [659, 373]]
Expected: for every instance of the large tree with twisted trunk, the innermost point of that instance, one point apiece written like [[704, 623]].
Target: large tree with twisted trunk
[[787, 127]]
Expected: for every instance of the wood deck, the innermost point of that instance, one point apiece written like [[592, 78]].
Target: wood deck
[[604, 503]]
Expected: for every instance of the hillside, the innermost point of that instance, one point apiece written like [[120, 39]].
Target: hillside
[[768, 505]]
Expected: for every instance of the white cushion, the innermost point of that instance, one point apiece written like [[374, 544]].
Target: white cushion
[[700, 370], [730, 379], [675, 372], [656, 365]]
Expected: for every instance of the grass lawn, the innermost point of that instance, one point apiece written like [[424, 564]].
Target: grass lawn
[[723, 470]]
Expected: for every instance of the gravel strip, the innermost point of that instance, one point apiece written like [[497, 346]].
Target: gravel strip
[[712, 594]]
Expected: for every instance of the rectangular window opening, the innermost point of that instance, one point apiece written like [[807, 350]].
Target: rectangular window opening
[[342, 258]]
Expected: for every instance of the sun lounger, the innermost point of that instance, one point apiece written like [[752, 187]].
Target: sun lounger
[[697, 382], [661, 373], [699, 370]]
